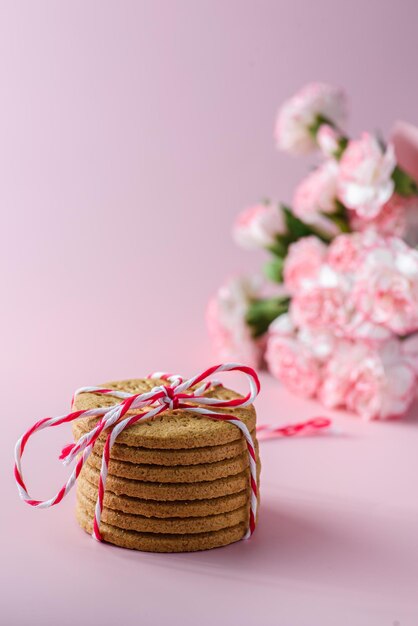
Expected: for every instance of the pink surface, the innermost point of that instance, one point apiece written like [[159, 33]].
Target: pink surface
[[131, 134]]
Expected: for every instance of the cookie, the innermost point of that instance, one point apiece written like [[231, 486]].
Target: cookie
[[174, 429], [152, 542], [155, 456], [173, 525], [170, 491], [175, 508], [180, 474]]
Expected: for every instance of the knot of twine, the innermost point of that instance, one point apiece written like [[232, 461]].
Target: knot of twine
[[176, 394], [170, 398]]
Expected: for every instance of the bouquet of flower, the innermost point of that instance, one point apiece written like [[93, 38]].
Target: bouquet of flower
[[337, 316]]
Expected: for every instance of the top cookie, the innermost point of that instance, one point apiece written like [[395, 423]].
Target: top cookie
[[175, 429]]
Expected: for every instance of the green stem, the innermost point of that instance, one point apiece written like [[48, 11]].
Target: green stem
[[263, 311]]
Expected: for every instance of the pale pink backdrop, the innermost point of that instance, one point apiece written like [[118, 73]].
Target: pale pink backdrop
[[130, 135]]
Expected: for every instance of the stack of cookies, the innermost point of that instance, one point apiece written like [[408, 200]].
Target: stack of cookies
[[177, 483]]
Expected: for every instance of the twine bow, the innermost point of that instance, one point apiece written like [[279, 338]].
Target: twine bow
[[176, 394]]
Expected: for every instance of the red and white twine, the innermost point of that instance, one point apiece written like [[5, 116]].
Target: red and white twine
[[175, 395]]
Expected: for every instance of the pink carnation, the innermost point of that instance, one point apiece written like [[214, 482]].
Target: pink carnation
[[302, 262], [410, 351], [391, 221], [316, 195], [404, 137], [299, 115], [322, 283], [365, 176], [376, 383], [293, 364], [258, 226], [386, 286], [226, 320], [323, 303], [321, 342], [346, 251]]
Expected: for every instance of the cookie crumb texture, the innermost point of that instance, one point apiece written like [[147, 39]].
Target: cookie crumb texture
[[179, 483]]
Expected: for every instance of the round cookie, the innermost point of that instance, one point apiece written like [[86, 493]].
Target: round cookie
[[172, 525], [174, 429], [180, 474], [151, 542], [171, 491], [154, 456], [175, 508]]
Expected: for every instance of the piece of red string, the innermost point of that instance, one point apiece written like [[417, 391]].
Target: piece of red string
[[308, 427]]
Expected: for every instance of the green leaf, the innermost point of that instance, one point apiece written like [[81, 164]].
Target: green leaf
[[274, 269], [280, 246], [298, 229], [295, 226], [316, 125], [342, 144], [339, 217], [405, 185], [263, 311], [339, 221]]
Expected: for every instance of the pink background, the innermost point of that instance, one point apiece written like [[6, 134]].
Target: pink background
[[131, 133]]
